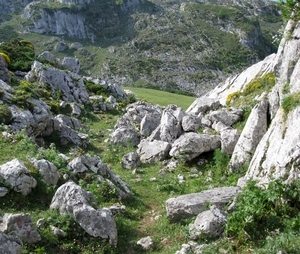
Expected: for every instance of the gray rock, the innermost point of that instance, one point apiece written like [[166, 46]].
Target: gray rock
[[210, 223], [76, 45], [10, 244], [153, 151], [131, 160], [170, 123], [138, 110], [149, 123], [229, 139], [97, 223], [3, 191], [228, 117], [71, 63], [7, 91], [48, 56], [190, 145], [190, 205], [60, 46], [255, 128], [87, 163], [71, 198], [190, 123], [124, 136], [191, 248], [117, 91], [57, 231], [202, 105], [4, 72], [17, 175], [20, 225], [47, 170], [146, 243]]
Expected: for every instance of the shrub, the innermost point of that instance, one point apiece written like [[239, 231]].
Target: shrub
[[291, 102], [5, 114], [6, 57]]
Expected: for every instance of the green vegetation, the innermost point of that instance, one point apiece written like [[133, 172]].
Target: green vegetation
[[252, 89], [162, 98], [291, 9], [290, 102], [20, 54]]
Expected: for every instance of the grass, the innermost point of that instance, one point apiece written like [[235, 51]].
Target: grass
[[162, 98]]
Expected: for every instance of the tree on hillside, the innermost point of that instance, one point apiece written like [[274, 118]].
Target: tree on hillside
[[291, 9]]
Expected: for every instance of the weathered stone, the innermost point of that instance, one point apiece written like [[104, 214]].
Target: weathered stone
[[228, 117], [6, 90], [190, 205], [71, 63], [146, 243], [125, 137], [4, 72], [97, 223], [10, 244], [191, 248], [210, 223], [3, 191], [57, 231], [85, 163], [255, 128], [149, 123], [48, 56], [229, 139], [20, 225], [153, 151], [202, 105], [190, 145], [190, 123], [131, 160], [47, 170], [17, 175], [170, 123]]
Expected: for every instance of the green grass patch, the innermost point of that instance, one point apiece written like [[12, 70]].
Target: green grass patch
[[291, 102], [162, 98]]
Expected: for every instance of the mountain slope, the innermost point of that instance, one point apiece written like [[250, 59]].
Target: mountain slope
[[170, 45]]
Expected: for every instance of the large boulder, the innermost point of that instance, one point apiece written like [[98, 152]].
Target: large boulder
[[153, 151], [210, 223], [71, 198], [10, 244], [47, 170], [228, 117], [190, 145], [4, 72], [131, 160], [87, 163], [6, 91], [187, 206], [20, 225], [71, 63], [170, 123], [18, 176], [229, 139], [203, 105], [256, 126]]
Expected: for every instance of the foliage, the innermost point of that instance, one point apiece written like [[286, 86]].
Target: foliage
[[291, 9], [5, 114], [6, 58], [290, 102], [260, 212], [252, 89], [20, 52]]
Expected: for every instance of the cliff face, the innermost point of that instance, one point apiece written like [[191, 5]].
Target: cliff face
[[277, 153]]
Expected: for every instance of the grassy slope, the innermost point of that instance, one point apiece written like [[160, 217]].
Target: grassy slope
[[162, 98]]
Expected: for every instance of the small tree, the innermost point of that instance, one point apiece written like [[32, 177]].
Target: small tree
[[291, 9]]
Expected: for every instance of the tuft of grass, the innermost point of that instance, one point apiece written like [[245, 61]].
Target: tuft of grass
[[291, 102]]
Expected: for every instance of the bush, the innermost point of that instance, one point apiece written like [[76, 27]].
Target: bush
[[291, 102], [20, 53], [5, 114], [6, 58]]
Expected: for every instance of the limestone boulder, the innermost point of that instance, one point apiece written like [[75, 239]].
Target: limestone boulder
[[124, 136], [187, 206], [4, 72], [228, 117], [47, 170], [210, 223], [20, 225], [18, 176], [47, 56], [191, 123], [203, 105], [170, 123], [10, 244], [146, 243], [87, 163], [70, 63], [190, 145], [229, 139], [153, 151], [131, 160], [255, 128], [7, 91], [97, 222], [71, 198]]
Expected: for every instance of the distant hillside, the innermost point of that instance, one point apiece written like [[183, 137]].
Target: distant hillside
[[169, 45]]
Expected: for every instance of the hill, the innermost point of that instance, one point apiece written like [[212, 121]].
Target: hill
[[170, 45]]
